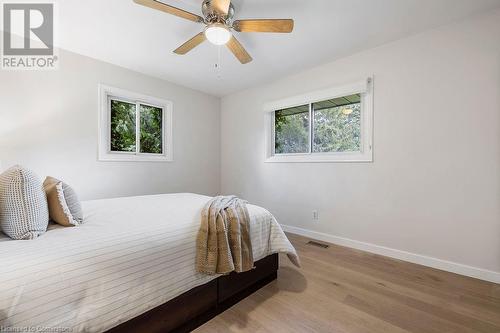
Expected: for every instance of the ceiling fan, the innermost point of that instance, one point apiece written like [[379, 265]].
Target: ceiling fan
[[218, 21]]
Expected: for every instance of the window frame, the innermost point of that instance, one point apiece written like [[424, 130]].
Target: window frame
[[108, 93], [365, 88]]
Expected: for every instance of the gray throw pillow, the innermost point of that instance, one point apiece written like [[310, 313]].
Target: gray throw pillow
[[23, 205]]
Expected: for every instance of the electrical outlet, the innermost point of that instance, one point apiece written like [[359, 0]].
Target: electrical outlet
[[315, 215]]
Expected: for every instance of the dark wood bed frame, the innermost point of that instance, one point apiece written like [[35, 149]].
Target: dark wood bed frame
[[197, 306]]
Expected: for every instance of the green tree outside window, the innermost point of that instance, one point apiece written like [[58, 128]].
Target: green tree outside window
[[123, 128]]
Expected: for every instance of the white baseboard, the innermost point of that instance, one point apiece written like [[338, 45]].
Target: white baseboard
[[444, 265]]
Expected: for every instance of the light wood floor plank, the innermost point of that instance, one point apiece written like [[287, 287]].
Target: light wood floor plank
[[343, 290]]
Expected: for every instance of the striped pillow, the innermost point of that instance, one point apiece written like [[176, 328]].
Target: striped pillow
[[64, 206], [23, 204]]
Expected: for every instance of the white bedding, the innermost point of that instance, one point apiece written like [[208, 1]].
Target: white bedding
[[131, 255]]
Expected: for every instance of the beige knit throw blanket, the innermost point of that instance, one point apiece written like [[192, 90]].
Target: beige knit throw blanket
[[223, 244]]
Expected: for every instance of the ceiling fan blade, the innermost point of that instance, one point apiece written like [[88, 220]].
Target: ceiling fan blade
[[221, 6], [264, 25], [169, 9], [191, 44], [238, 50]]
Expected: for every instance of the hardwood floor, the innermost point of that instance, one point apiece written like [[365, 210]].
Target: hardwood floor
[[339, 289]]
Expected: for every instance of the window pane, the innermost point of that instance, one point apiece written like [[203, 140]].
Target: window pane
[[337, 125], [122, 126], [151, 129], [291, 128]]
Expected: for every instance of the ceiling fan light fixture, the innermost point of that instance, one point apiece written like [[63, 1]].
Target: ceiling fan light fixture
[[217, 34], [219, 24]]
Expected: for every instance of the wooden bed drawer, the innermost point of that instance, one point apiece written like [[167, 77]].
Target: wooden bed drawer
[[232, 284], [176, 313], [196, 306]]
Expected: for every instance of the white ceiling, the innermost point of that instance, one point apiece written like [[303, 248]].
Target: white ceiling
[[124, 33]]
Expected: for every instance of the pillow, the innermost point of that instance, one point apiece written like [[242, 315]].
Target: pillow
[[64, 206], [23, 205]]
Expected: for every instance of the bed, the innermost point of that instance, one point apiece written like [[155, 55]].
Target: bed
[[133, 261]]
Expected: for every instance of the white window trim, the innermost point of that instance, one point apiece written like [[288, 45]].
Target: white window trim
[[365, 88], [104, 152]]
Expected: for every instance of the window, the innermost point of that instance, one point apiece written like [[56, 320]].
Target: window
[[291, 130], [134, 127], [337, 125], [333, 125]]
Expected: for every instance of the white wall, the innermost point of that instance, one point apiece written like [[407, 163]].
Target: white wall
[[434, 187], [48, 122]]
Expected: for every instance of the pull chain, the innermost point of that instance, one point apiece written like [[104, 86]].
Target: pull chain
[[218, 64]]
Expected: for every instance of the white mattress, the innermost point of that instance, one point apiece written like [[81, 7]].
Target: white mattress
[[131, 255]]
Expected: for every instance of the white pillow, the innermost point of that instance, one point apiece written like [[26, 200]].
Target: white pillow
[[23, 205]]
